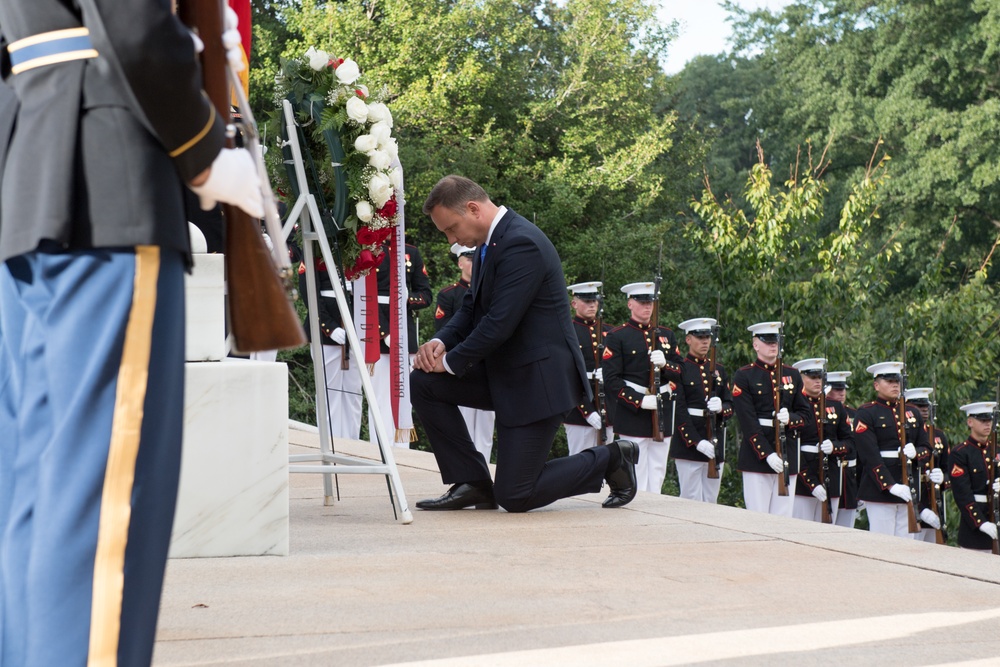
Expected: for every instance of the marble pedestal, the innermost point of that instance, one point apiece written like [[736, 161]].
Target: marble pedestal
[[233, 497]]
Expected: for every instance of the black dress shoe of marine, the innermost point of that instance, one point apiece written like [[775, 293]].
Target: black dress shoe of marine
[[460, 496], [621, 477]]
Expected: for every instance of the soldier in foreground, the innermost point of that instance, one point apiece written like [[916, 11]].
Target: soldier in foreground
[[970, 480], [845, 507], [583, 423], [931, 480]]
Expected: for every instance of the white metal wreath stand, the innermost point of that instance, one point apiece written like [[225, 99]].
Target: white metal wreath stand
[[330, 463]]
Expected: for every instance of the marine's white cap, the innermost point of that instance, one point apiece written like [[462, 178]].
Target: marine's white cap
[[810, 365], [835, 378], [459, 250], [698, 326], [766, 331], [639, 291], [978, 409], [918, 394], [891, 370], [588, 291]]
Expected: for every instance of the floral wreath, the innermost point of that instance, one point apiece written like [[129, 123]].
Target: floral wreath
[[333, 95]]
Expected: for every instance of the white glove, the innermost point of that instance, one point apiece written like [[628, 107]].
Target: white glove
[[901, 492], [826, 447], [233, 179], [594, 419], [819, 493], [936, 475], [268, 242], [706, 448], [338, 336], [990, 529], [783, 416], [199, 45], [387, 339], [714, 404], [909, 451], [930, 518], [777, 465], [657, 358], [996, 485], [649, 402], [599, 375]]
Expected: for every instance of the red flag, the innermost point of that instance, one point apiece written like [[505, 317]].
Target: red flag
[[242, 9]]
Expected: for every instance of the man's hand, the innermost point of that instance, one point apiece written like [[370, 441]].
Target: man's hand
[[930, 518], [649, 402], [338, 336], [714, 404], [909, 451], [430, 357], [826, 447], [936, 475], [783, 417], [657, 358], [990, 529], [819, 493], [706, 448], [777, 465], [232, 179], [901, 492], [599, 375], [594, 419]]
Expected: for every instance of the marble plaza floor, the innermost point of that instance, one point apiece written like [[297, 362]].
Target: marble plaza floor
[[662, 581]]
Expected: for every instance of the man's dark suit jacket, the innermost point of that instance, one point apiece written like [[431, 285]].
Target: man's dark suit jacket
[[514, 318]]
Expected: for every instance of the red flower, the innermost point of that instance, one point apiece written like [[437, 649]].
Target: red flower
[[367, 236], [360, 92], [331, 63], [388, 209], [335, 63]]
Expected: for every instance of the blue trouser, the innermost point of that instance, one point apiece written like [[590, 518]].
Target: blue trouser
[[91, 409]]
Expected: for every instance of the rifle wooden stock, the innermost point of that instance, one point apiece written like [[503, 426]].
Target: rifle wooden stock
[[931, 487], [825, 514], [710, 421], [778, 428], [991, 453], [911, 515], [654, 374], [261, 316]]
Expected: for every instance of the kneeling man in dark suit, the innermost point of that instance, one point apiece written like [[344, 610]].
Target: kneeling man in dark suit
[[511, 349]]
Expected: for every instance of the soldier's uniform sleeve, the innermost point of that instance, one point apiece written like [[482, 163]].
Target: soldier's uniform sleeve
[[843, 435], [672, 371], [444, 308], [746, 414], [725, 393], [962, 491], [157, 57], [801, 407], [684, 425], [869, 454], [808, 475], [922, 441], [613, 364], [326, 307], [419, 287]]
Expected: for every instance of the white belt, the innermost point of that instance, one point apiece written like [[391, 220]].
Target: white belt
[[980, 498], [332, 294], [852, 463], [664, 388], [809, 449], [591, 375], [766, 422], [697, 412], [890, 455]]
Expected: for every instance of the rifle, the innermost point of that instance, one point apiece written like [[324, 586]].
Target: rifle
[[824, 460], [936, 501], [599, 401], [911, 516], [259, 284], [991, 451], [779, 428], [712, 418], [654, 373]]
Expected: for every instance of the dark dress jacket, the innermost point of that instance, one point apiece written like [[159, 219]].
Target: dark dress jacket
[[753, 398], [697, 386], [876, 437]]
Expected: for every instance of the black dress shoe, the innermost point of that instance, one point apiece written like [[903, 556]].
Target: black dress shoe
[[460, 496], [621, 478]]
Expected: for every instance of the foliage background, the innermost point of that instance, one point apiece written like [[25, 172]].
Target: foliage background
[[842, 159]]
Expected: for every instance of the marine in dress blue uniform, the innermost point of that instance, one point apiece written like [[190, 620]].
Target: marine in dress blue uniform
[[106, 124], [583, 423], [931, 470], [876, 436], [846, 505], [970, 480], [754, 387], [699, 394]]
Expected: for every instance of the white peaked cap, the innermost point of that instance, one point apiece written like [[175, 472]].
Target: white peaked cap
[[581, 289], [838, 376], [764, 328], [639, 289], [982, 408], [886, 368], [698, 324], [816, 364], [918, 393], [461, 249]]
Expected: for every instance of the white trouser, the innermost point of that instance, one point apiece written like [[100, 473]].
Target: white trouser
[[579, 438], [694, 481], [842, 517], [760, 494], [888, 519], [265, 355], [652, 467], [343, 393], [381, 384], [926, 535], [480, 425], [808, 508]]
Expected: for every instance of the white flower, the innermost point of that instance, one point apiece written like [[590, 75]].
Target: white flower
[[357, 110], [396, 178], [348, 72], [380, 189], [381, 132], [363, 88], [379, 159], [364, 211], [392, 148], [365, 143], [317, 59], [379, 112]]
